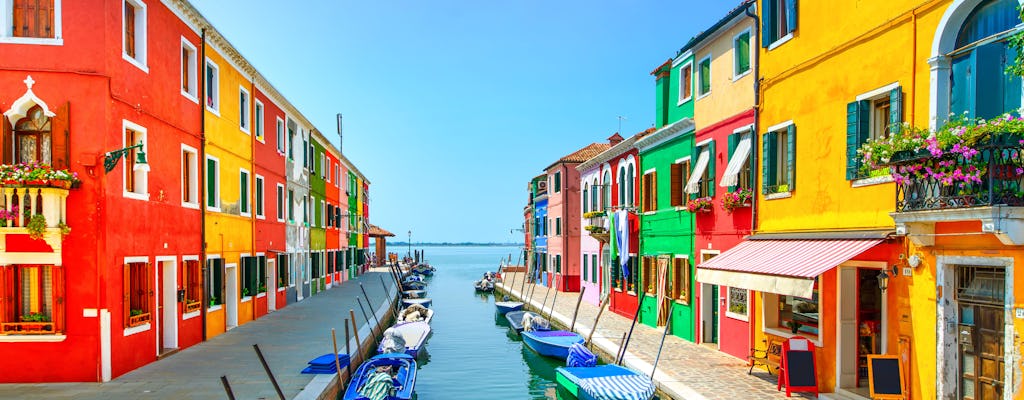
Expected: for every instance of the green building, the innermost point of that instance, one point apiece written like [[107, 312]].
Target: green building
[[318, 214]]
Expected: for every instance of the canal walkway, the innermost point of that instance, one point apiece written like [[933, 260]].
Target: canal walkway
[[288, 338], [685, 370]]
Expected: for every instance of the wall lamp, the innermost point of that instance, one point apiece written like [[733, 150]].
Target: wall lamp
[[883, 278], [113, 157]]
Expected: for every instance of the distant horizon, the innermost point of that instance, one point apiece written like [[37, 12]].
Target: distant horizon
[[496, 244]]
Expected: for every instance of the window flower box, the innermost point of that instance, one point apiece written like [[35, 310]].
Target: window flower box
[[138, 318], [27, 328], [700, 204], [192, 306], [738, 199]]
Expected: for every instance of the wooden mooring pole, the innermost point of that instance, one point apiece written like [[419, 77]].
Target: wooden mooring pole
[[639, 303], [668, 323], [227, 387], [266, 367], [348, 350], [604, 303], [337, 362], [577, 310]]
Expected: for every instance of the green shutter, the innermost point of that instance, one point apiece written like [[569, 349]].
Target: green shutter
[[769, 166], [593, 268], [733, 139], [791, 11], [895, 110], [705, 76], [712, 158], [753, 159], [853, 142], [742, 49], [585, 267], [211, 183], [791, 157], [243, 200], [765, 157], [767, 22]]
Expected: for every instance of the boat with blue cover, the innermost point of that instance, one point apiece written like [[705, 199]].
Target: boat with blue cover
[[605, 382], [551, 343], [515, 319], [505, 307], [382, 374]]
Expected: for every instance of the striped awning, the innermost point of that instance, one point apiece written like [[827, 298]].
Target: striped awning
[[780, 266]]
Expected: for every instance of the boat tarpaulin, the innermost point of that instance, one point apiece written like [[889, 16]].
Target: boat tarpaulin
[[780, 266]]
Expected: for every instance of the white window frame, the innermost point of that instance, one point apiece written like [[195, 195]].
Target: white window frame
[[280, 202], [258, 192], [7, 22], [280, 131], [141, 13], [192, 92], [736, 75], [688, 64], [777, 128], [710, 77], [220, 181], [323, 214], [191, 186], [257, 120], [244, 114], [147, 326], [215, 107], [728, 304], [140, 181], [248, 183]]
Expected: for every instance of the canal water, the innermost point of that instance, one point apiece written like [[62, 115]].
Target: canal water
[[472, 354]]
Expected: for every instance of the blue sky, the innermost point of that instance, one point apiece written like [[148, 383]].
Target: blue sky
[[450, 107]]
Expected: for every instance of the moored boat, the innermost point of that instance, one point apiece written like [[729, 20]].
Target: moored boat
[[605, 382], [515, 319], [484, 285], [382, 374], [425, 302], [551, 343], [415, 313], [410, 335], [414, 294], [414, 285], [506, 306]]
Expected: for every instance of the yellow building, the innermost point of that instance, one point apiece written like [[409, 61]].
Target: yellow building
[[228, 166]]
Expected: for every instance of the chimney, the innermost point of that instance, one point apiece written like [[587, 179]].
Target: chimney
[[615, 139]]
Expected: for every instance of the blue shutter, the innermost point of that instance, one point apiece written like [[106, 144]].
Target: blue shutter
[[791, 15], [767, 24], [989, 91], [852, 139], [895, 110], [791, 157], [733, 138], [711, 168]]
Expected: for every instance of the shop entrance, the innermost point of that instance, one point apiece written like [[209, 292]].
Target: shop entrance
[[861, 333], [980, 297]]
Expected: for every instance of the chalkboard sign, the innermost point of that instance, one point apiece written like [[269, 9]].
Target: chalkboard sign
[[799, 373], [885, 377]]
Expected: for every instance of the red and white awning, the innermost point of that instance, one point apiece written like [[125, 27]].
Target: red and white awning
[[780, 266]]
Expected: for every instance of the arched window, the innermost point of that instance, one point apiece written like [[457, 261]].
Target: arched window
[[32, 138], [631, 192], [594, 206], [622, 186], [607, 190], [979, 85]]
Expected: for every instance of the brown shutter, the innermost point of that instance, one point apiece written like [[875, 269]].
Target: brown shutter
[[129, 30], [127, 285], [654, 191], [19, 28], [46, 11], [58, 298], [148, 301], [60, 135], [8, 141], [6, 293], [676, 186]]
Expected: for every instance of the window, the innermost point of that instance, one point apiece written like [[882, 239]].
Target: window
[[701, 182], [189, 177], [650, 191], [291, 139], [31, 299], [704, 76], [680, 173], [134, 29], [650, 279], [34, 19], [212, 183], [283, 277], [291, 205], [33, 137], [779, 154], [215, 281], [736, 304], [558, 226], [558, 263], [873, 116], [593, 268], [793, 314], [244, 119], [243, 193], [558, 182], [606, 190], [257, 121], [138, 294], [305, 154], [135, 174], [630, 190], [261, 274], [322, 214], [778, 21], [280, 135], [280, 202], [978, 84], [250, 277], [193, 285], [585, 267], [212, 87], [330, 215], [685, 82], [681, 280], [741, 54], [305, 210], [259, 197], [189, 67]]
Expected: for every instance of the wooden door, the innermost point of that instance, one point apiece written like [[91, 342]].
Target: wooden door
[[981, 363]]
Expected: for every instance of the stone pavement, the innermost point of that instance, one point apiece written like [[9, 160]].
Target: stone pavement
[[288, 338], [685, 370]]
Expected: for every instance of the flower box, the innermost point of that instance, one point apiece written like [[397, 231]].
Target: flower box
[[27, 328], [700, 204], [192, 306], [136, 320]]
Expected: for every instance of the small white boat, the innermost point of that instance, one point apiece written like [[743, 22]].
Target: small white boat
[[425, 302], [413, 334], [415, 313]]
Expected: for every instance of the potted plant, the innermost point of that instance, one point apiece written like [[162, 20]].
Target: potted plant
[[593, 214], [739, 198], [213, 301], [262, 288], [700, 204], [245, 292], [65, 230], [36, 226]]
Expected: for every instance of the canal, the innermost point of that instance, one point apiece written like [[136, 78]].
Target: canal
[[472, 354]]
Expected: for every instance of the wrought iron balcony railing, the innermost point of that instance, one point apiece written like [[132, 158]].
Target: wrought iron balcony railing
[[924, 182]]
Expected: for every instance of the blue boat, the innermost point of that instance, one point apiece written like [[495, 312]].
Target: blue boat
[[403, 376], [551, 343], [425, 302], [515, 319], [508, 306], [605, 382], [414, 285]]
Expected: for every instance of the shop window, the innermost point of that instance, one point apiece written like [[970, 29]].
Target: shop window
[[793, 314], [193, 279], [138, 294], [680, 282], [737, 303], [215, 281], [31, 299]]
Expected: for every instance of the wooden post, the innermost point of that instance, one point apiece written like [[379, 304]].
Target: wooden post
[[355, 329], [552, 312], [337, 363], [600, 309], [348, 351], [544, 303], [227, 387], [668, 321], [577, 310], [636, 316], [621, 350], [373, 328], [266, 367]]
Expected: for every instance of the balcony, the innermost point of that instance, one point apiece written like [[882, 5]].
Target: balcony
[[19, 204], [596, 224], [986, 187]]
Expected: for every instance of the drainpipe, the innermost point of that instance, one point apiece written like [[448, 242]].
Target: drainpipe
[[754, 148], [202, 188]]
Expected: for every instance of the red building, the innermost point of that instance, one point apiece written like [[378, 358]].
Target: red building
[[269, 201], [332, 193], [124, 286]]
